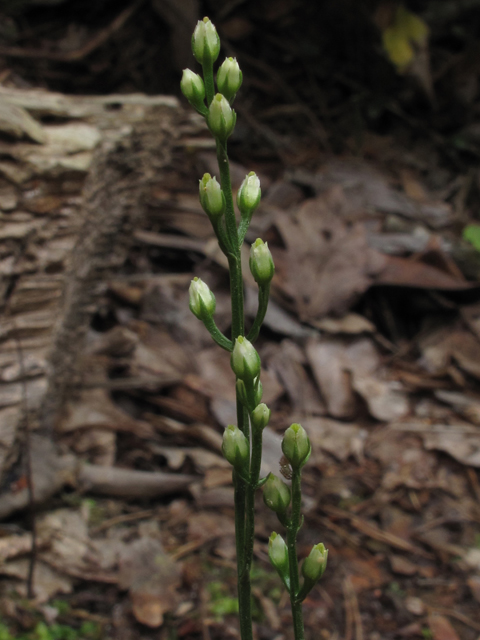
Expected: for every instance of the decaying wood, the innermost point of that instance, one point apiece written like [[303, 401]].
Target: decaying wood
[[51, 472], [69, 203]]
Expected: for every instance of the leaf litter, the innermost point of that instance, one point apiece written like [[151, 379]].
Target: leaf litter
[[392, 412]]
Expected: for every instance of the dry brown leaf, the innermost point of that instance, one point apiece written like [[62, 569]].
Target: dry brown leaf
[[47, 581], [462, 443], [343, 366], [327, 265], [152, 578], [339, 439], [206, 526], [288, 360], [95, 409], [441, 628]]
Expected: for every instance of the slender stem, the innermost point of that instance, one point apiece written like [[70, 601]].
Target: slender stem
[[207, 68], [244, 555], [263, 295], [243, 228], [251, 489], [222, 237], [226, 184], [292, 531], [217, 335]]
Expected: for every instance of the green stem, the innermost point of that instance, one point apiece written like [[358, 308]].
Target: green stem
[[292, 531], [207, 68], [251, 489], [217, 335], [244, 556], [263, 295]]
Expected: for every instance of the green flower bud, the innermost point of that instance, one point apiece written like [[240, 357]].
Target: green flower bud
[[260, 416], [221, 118], [261, 262], [229, 78], [193, 89], [296, 446], [211, 197], [315, 564], [249, 194], [245, 360], [235, 447], [201, 299], [278, 554], [276, 494], [205, 42]]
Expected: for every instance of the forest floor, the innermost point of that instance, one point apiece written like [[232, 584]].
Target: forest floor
[[372, 341]]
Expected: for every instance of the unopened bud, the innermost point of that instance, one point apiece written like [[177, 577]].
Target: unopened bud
[[235, 447], [260, 416], [296, 446], [249, 194], [278, 554], [201, 299], [205, 42], [276, 494], [193, 89], [211, 197], [229, 78], [261, 262], [245, 361], [221, 118], [315, 564]]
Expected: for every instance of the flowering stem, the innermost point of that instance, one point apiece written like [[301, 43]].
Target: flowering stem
[[244, 555], [263, 295], [207, 68], [292, 531]]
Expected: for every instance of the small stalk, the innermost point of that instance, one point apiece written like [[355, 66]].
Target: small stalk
[[292, 531]]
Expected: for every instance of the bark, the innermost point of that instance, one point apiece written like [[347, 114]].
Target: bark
[[68, 209]]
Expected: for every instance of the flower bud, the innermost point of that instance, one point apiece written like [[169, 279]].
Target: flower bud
[[249, 194], [221, 118], [229, 78], [193, 89], [261, 262], [276, 494], [201, 299], [278, 554], [245, 360], [211, 197], [315, 564], [260, 416], [296, 446], [205, 42], [235, 447]]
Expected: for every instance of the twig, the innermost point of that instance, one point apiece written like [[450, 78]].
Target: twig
[[77, 54]]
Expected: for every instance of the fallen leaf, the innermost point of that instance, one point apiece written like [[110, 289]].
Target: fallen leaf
[[441, 628], [327, 265], [152, 578], [339, 439]]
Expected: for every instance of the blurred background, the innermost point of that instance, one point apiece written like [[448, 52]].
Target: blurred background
[[362, 119]]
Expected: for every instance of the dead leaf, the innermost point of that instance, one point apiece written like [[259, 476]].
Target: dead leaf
[[206, 526], [441, 628], [341, 367], [462, 443], [327, 265], [339, 439], [151, 577]]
